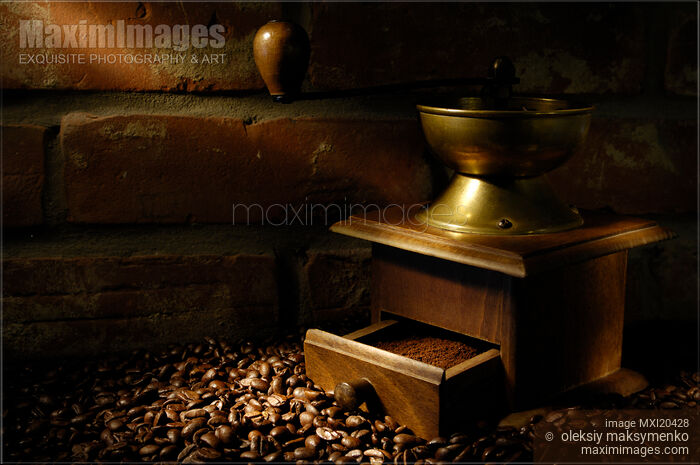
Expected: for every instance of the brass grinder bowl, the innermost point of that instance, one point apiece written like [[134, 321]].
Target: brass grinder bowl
[[500, 155]]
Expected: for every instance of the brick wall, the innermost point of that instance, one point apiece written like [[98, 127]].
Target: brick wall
[[119, 180]]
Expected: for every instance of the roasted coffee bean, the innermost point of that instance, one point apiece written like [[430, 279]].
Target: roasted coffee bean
[[346, 460], [303, 453], [210, 439], [195, 413], [327, 434], [260, 384], [443, 454], [458, 438], [265, 369], [312, 441], [274, 456], [206, 453], [306, 418], [115, 425], [376, 453], [277, 385], [320, 422], [225, 434], [193, 426], [464, 455], [405, 439], [173, 435], [351, 442], [354, 421], [149, 449], [216, 401], [279, 432]]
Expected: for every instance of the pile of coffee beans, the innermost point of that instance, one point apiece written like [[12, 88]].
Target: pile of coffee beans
[[240, 402], [684, 393]]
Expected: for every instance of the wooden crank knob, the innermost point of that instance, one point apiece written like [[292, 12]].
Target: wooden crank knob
[[502, 70], [350, 395]]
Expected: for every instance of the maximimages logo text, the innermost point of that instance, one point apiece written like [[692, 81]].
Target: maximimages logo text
[[142, 43]]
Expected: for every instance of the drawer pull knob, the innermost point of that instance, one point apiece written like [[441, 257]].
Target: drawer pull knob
[[350, 395]]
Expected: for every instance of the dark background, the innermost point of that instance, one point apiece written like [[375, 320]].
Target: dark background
[[119, 180]]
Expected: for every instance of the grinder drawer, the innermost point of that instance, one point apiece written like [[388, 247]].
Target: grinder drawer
[[429, 399]]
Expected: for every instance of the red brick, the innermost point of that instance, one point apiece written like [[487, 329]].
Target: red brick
[[681, 73], [241, 21], [75, 338], [337, 280], [174, 169], [249, 279], [22, 174], [634, 167], [116, 303], [577, 48], [121, 303]]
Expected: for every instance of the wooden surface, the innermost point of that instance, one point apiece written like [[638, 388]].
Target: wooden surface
[[441, 293], [517, 256], [563, 328], [412, 392], [556, 329]]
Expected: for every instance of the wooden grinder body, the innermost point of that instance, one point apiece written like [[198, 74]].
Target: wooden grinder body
[[552, 305]]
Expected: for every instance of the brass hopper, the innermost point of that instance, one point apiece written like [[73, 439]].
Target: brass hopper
[[500, 151]]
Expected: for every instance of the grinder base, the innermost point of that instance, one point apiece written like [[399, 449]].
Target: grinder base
[[503, 206]]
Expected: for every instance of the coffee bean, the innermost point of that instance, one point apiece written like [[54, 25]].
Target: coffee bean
[[195, 413], [274, 456], [149, 449], [167, 452], [377, 453], [346, 460], [327, 434], [207, 453], [193, 426], [243, 402], [351, 442], [279, 432], [405, 439], [312, 441], [225, 434], [210, 439], [173, 435], [277, 385], [354, 421], [260, 385], [303, 453], [115, 425], [265, 369], [306, 418], [437, 442], [464, 455], [306, 393], [443, 453]]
